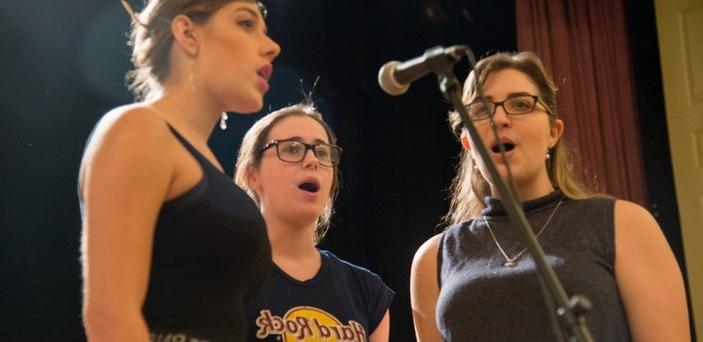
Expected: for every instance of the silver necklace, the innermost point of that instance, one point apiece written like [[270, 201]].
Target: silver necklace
[[512, 262]]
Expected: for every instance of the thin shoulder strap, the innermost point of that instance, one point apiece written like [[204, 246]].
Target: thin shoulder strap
[[193, 151]]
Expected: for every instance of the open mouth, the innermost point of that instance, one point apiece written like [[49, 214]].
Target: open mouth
[[309, 187], [265, 72], [507, 145]]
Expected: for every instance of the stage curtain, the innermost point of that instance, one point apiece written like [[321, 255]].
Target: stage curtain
[[585, 46]]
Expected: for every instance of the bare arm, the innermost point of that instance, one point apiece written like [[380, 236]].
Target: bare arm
[[125, 176], [649, 279], [382, 331], [424, 291]]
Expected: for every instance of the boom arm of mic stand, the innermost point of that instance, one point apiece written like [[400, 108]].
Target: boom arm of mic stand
[[571, 312]]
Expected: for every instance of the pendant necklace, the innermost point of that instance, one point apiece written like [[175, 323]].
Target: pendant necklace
[[512, 262]]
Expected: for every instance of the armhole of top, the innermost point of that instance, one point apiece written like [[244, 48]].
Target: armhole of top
[[609, 240], [440, 245]]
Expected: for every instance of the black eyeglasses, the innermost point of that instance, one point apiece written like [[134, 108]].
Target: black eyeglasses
[[516, 105], [293, 151]]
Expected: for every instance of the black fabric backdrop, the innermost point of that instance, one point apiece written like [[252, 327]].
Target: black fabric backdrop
[[62, 66]]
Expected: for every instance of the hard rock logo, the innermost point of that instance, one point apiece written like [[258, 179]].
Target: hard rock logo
[[309, 324]]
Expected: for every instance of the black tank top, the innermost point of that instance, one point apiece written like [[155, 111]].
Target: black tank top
[[210, 254], [482, 300]]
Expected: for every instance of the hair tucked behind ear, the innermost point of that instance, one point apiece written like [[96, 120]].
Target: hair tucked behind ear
[[469, 188], [151, 39]]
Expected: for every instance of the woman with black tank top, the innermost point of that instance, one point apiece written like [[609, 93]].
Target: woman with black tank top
[[476, 282], [288, 163], [171, 248]]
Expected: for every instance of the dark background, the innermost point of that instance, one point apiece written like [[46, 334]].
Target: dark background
[[62, 65]]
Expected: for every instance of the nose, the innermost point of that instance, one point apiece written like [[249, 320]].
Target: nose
[[270, 48], [500, 117], [310, 159]]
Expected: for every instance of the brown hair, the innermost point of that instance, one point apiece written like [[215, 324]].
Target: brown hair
[[151, 39], [249, 156], [469, 187]]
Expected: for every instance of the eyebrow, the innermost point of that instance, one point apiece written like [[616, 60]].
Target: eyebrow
[[256, 15], [515, 94], [300, 139]]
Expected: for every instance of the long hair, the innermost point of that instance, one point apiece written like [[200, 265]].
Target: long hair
[[468, 188], [249, 156], [151, 39]]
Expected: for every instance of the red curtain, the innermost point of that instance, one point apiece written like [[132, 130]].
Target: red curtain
[[585, 45]]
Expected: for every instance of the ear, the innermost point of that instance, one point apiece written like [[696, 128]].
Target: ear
[[465, 141], [555, 132], [184, 34], [251, 176]]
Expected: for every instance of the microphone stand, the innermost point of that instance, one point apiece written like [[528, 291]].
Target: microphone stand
[[571, 311]]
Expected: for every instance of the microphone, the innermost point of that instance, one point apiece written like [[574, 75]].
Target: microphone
[[395, 77]]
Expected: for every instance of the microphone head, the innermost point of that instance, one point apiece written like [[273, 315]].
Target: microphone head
[[388, 82]]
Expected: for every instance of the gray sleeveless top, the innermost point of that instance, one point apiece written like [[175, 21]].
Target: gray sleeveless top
[[482, 300]]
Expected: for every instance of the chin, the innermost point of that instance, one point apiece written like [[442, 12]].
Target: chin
[[247, 105], [249, 108], [309, 212], [516, 173]]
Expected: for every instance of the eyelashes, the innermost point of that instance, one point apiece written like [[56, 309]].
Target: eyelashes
[[247, 24]]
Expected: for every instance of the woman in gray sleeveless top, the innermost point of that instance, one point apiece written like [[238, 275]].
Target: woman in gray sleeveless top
[[476, 281]]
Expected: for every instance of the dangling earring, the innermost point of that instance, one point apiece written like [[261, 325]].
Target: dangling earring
[[223, 121], [191, 78], [191, 82], [547, 156]]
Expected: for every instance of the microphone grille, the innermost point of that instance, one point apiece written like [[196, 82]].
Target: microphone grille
[[387, 81]]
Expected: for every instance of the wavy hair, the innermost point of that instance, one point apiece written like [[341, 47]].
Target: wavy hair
[[468, 188]]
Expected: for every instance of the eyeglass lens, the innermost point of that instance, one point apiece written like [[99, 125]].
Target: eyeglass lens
[[294, 151], [514, 105]]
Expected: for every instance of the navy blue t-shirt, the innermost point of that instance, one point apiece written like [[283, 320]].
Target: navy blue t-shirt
[[342, 302]]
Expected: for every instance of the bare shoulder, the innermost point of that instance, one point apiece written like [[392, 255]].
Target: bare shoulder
[[630, 210], [424, 289], [424, 266], [648, 277], [427, 252], [130, 123], [631, 217], [638, 237], [636, 230], [130, 129], [128, 137]]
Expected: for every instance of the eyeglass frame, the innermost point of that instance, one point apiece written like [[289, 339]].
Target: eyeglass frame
[[535, 98], [307, 146]]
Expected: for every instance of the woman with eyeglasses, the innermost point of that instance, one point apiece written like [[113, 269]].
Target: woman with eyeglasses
[[476, 281], [171, 248], [289, 164]]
